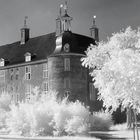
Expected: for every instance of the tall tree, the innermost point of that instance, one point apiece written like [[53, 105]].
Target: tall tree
[[115, 68]]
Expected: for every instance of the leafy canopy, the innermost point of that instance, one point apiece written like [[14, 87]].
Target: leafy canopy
[[115, 68]]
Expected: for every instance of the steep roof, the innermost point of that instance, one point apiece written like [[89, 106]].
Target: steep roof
[[41, 47], [78, 43]]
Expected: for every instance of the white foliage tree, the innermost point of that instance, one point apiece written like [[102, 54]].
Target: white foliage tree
[[115, 68]]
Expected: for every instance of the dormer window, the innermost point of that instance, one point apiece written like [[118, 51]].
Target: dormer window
[[27, 57], [2, 62]]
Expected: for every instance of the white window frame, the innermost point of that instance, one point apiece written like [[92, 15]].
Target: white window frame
[[11, 74], [45, 70], [45, 86], [66, 64], [67, 84], [27, 57], [3, 90], [17, 97], [17, 74], [28, 92], [92, 92], [2, 76], [27, 72], [2, 62]]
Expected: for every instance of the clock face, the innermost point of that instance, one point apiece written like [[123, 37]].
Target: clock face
[[66, 47]]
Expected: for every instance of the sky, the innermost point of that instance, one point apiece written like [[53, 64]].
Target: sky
[[112, 16]]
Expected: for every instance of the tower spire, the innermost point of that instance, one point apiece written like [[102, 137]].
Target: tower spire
[[94, 30], [25, 21], [63, 22], [66, 7], [94, 20], [59, 21], [60, 10], [66, 19], [25, 32]]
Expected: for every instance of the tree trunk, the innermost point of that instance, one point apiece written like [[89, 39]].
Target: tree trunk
[[129, 118]]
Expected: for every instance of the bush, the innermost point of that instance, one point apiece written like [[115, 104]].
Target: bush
[[5, 101], [79, 123], [20, 119], [122, 126], [101, 121], [3, 116], [48, 116]]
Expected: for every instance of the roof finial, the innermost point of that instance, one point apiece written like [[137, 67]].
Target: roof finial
[[66, 7], [60, 10], [94, 20], [25, 21]]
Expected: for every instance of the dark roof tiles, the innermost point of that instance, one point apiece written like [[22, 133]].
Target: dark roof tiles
[[43, 46]]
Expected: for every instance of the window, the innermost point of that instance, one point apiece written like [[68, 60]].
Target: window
[[17, 73], [67, 83], [27, 72], [3, 90], [16, 88], [67, 64], [11, 74], [67, 93], [17, 98], [27, 57], [92, 92], [2, 76], [28, 92], [45, 86], [12, 96], [45, 70], [2, 63], [12, 89]]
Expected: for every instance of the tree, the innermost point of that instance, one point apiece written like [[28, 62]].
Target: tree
[[115, 68]]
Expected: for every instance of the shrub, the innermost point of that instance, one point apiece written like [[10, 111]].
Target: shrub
[[78, 124], [122, 126], [20, 119], [3, 116], [47, 116], [5, 101], [101, 121]]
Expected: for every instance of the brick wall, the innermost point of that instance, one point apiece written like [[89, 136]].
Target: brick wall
[[77, 76]]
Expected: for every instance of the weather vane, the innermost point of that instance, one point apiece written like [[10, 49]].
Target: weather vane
[[25, 21], [66, 7], [94, 18], [60, 12]]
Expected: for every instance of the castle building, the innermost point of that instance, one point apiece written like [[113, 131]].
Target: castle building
[[50, 62]]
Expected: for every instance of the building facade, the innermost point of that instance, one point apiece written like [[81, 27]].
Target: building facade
[[49, 62]]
